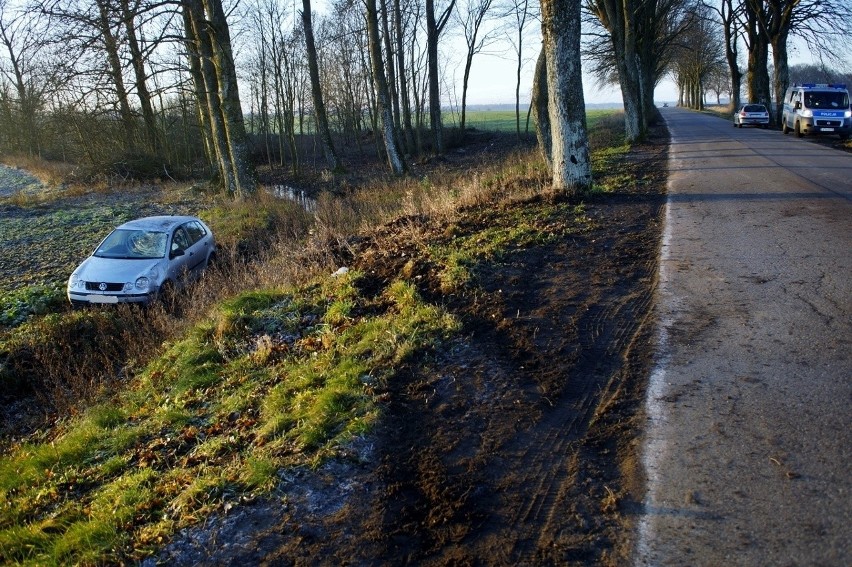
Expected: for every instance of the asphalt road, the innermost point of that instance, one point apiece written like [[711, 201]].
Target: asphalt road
[[748, 446]]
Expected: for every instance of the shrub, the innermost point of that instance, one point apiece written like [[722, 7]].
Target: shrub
[[19, 305]]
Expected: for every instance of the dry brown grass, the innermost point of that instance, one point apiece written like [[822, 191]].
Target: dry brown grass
[[289, 247], [50, 173]]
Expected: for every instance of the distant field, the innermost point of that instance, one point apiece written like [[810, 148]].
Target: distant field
[[504, 120]]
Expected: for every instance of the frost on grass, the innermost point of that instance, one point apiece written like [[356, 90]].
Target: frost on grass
[[14, 180]]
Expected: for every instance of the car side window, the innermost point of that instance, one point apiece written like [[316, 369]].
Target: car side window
[[181, 240], [195, 230]]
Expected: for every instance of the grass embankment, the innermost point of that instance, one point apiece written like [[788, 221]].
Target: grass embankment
[[262, 375]]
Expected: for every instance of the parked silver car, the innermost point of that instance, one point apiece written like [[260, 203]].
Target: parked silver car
[[142, 259], [754, 114]]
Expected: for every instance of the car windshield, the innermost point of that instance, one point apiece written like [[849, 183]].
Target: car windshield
[[754, 108], [827, 100], [133, 244]]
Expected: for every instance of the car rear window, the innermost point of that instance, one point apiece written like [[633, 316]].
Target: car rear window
[[755, 108]]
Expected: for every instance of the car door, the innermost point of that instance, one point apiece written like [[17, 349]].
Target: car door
[[180, 257], [199, 247]]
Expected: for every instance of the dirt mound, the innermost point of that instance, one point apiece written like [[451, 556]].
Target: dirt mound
[[515, 444]]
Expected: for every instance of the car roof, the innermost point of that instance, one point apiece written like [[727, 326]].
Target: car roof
[[162, 223]]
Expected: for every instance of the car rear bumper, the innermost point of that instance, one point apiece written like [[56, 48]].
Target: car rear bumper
[[754, 121]]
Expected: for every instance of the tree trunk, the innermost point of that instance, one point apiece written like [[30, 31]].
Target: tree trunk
[[403, 82], [209, 43], [206, 89], [391, 71], [572, 171], [782, 74], [539, 109], [142, 92], [244, 182], [758, 58], [331, 158], [434, 26], [382, 93], [729, 23], [116, 73]]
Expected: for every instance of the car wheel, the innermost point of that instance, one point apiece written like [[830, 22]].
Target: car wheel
[[784, 128], [741, 124], [798, 129]]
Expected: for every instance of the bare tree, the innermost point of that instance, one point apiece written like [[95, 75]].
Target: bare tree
[[471, 14], [209, 43], [332, 160], [382, 92], [434, 27], [640, 36], [729, 12], [22, 42], [698, 55], [572, 172], [401, 28], [521, 12], [131, 10], [814, 20]]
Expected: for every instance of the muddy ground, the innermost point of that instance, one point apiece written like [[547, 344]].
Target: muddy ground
[[516, 444]]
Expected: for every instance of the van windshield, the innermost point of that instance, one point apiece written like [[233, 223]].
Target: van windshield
[[827, 100]]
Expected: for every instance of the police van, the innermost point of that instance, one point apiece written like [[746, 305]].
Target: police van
[[817, 109]]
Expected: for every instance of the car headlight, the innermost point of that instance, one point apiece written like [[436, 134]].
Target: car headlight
[[75, 282], [847, 114], [144, 283], [808, 113]]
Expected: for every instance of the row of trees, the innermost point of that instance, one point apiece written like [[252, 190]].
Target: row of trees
[[149, 81], [155, 84], [729, 43]]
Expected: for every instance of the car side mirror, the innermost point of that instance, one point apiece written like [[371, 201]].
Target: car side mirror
[[176, 253], [798, 105]]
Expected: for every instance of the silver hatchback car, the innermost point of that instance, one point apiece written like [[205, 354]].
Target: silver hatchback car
[[142, 259], [754, 114]]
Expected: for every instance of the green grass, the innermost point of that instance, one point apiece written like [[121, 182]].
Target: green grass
[[505, 120], [271, 379]]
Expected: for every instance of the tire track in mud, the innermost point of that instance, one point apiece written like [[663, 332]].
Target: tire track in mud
[[544, 456], [483, 452]]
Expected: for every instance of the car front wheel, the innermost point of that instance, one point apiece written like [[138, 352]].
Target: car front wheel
[[798, 129]]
